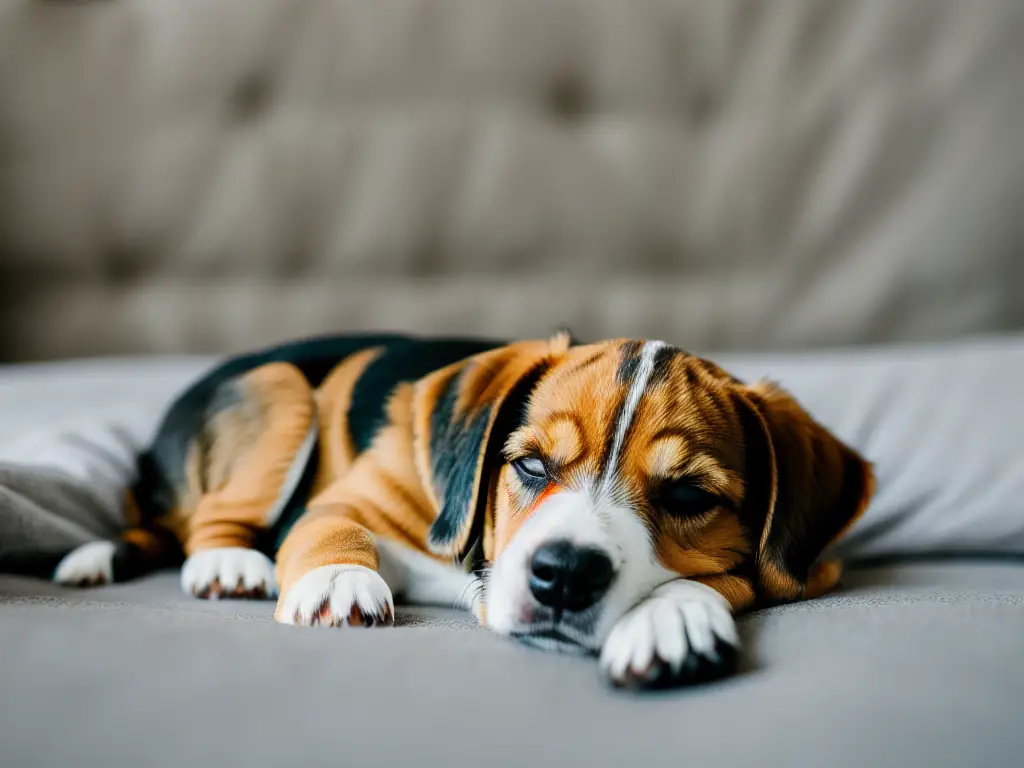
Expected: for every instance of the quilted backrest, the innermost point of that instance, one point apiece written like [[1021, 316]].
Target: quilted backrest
[[191, 176]]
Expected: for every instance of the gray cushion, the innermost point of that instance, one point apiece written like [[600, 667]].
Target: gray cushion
[[912, 665]]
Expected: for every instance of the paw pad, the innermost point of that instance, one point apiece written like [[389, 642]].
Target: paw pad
[[229, 572], [91, 565], [683, 634], [338, 596]]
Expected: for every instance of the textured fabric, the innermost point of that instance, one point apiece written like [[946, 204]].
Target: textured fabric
[[186, 175], [48, 511], [941, 423], [52, 411], [69, 435], [915, 665]]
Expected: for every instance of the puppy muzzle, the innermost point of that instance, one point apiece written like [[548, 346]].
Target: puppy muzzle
[[566, 585]]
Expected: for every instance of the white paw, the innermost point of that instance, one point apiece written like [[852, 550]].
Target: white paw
[[90, 565], [229, 572], [684, 632], [338, 596]]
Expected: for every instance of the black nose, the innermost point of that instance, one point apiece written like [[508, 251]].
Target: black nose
[[567, 577]]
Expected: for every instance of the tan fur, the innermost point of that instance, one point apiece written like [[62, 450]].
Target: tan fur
[[582, 388], [238, 475], [708, 546], [144, 539], [737, 590], [507, 517], [233, 435], [380, 495], [823, 578]]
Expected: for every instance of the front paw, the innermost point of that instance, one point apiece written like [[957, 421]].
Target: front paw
[[683, 633], [232, 572], [338, 596], [90, 565]]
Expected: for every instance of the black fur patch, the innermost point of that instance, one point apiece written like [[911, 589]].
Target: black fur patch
[[455, 446], [130, 561], [661, 365], [402, 361], [630, 362], [757, 484]]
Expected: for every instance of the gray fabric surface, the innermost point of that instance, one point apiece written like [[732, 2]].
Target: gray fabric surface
[[920, 664], [45, 510], [187, 175], [68, 439]]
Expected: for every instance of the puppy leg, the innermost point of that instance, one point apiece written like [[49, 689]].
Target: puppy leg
[[360, 588], [137, 552], [328, 570], [332, 571], [256, 447], [89, 565], [684, 632]]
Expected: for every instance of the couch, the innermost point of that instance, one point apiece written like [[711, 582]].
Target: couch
[[196, 176], [824, 193]]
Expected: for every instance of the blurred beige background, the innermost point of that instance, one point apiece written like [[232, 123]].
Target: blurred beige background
[[198, 176]]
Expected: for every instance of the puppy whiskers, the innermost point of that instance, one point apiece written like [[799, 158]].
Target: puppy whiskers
[[474, 590]]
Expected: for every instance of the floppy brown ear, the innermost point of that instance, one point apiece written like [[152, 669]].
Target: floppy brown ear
[[462, 415], [813, 487]]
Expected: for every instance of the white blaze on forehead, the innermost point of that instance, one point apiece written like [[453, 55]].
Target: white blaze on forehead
[[636, 392]]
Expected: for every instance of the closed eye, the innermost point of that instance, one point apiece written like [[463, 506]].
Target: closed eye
[[531, 470], [686, 498]]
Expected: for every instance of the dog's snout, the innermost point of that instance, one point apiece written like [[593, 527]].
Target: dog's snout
[[567, 577]]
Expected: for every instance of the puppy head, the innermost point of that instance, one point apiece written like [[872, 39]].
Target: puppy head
[[586, 476]]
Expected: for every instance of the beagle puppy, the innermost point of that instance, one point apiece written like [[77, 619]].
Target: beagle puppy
[[622, 498]]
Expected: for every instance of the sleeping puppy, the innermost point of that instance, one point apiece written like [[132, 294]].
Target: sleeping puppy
[[622, 498]]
